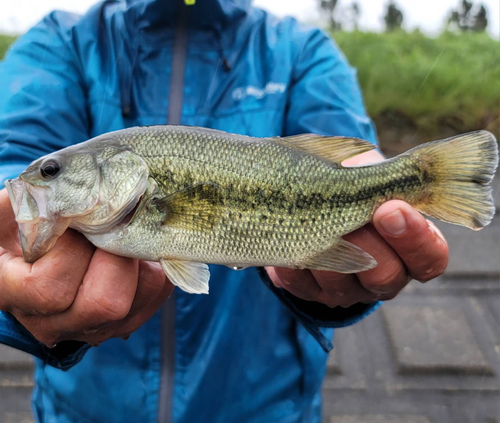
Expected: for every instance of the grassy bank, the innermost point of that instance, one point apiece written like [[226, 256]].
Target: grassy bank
[[418, 88], [5, 42]]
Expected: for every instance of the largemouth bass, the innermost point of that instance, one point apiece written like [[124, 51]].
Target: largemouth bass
[[187, 196]]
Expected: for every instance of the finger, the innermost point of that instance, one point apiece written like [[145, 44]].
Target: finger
[[9, 232], [340, 290], [390, 275], [49, 285], [132, 322], [372, 156], [107, 292], [152, 281], [421, 247], [105, 297], [300, 283]]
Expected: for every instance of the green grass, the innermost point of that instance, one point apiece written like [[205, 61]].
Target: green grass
[[418, 87], [5, 42], [432, 86]]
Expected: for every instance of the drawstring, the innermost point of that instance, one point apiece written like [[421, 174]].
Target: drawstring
[[126, 64], [125, 71], [224, 59]]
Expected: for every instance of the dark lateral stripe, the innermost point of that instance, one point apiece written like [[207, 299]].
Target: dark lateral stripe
[[276, 200]]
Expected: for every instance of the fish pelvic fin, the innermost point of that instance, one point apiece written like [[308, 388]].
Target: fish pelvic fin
[[459, 171], [333, 149], [342, 257], [193, 208], [189, 276]]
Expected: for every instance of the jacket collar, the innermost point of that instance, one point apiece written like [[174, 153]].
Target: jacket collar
[[202, 14]]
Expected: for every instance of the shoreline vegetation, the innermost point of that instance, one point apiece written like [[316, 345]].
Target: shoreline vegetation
[[418, 88]]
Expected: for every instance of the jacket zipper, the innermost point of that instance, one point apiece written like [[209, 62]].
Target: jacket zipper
[[167, 335]]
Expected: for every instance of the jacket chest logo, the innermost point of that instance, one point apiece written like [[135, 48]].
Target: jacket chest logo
[[240, 93]]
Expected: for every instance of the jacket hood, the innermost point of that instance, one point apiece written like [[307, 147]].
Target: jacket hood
[[202, 13]]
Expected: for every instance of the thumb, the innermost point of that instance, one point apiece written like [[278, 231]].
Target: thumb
[[9, 230], [419, 244]]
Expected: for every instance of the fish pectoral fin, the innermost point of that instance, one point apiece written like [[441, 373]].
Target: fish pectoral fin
[[334, 149], [343, 257], [189, 276], [193, 208]]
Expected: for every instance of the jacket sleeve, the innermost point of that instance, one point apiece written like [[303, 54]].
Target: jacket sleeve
[[324, 98], [42, 109]]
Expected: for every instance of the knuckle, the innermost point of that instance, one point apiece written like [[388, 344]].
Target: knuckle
[[111, 309], [385, 283], [49, 298]]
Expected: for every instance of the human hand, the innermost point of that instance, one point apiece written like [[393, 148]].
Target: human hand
[[75, 291], [403, 242]]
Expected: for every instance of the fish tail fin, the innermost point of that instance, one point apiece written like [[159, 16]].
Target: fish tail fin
[[459, 171]]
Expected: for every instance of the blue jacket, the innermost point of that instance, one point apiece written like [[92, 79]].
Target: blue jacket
[[247, 352]]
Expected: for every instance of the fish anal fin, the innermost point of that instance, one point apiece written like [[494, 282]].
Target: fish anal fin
[[342, 257], [189, 276], [334, 149], [193, 208]]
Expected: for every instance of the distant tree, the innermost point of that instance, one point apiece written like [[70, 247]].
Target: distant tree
[[355, 12], [341, 16], [481, 19], [393, 17], [330, 7], [464, 19]]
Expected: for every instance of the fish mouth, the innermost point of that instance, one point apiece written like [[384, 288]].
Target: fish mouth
[[38, 232]]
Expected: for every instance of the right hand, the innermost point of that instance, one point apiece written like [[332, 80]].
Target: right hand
[[75, 291]]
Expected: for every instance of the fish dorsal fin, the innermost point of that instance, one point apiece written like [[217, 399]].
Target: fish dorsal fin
[[342, 257], [334, 149], [189, 276], [194, 208]]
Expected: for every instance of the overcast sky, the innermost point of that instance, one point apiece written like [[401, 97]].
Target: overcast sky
[[16, 16]]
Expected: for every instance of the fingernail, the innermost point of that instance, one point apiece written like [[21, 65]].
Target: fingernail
[[394, 223], [90, 331]]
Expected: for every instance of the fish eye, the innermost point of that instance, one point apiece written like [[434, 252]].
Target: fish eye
[[50, 169]]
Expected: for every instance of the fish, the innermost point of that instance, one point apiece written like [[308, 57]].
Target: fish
[[188, 196]]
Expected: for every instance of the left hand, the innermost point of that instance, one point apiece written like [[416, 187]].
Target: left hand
[[405, 245]]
